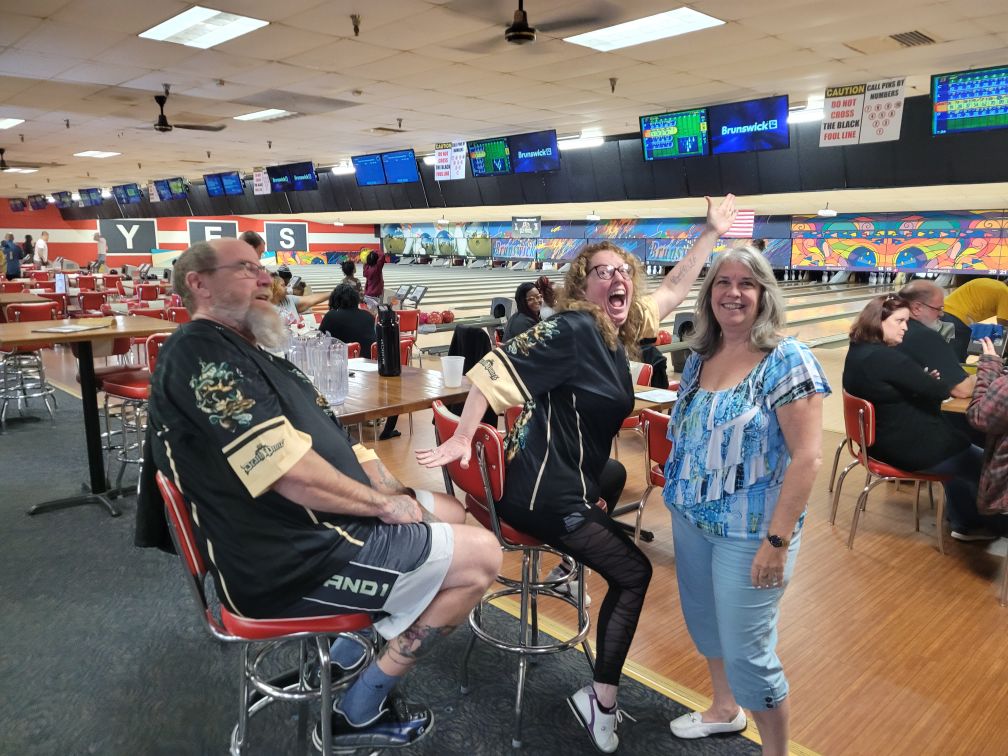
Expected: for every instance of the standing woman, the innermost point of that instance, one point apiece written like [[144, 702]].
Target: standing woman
[[750, 405], [571, 375], [28, 248], [374, 280]]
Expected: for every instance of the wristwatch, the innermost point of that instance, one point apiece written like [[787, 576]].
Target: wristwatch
[[777, 542]]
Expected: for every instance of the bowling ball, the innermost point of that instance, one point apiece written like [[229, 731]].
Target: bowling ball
[[447, 316], [434, 318], [422, 318], [664, 337]]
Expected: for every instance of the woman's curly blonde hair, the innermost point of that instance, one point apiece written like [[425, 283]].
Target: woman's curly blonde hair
[[573, 298]]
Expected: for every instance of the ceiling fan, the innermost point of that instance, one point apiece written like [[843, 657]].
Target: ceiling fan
[[520, 31], [162, 124], [13, 165]]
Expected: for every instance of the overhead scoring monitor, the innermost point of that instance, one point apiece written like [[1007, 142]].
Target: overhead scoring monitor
[[490, 157], [400, 167], [368, 170], [969, 101], [678, 134]]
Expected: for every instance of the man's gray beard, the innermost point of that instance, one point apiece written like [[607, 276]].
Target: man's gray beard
[[267, 327], [934, 325]]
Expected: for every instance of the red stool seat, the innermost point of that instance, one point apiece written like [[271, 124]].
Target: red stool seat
[[268, 629], [888, 471], [132, 385]]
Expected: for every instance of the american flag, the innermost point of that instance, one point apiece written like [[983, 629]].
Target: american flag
[[742, 227]]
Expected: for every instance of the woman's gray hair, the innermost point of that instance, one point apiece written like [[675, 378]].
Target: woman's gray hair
[[771, 316]]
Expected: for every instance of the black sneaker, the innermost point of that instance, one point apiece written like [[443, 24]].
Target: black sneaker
[[398, 724]]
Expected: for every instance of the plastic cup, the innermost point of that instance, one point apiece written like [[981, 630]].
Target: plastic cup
[[451, 370]]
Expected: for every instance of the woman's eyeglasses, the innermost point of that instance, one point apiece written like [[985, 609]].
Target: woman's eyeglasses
[[606, 272]]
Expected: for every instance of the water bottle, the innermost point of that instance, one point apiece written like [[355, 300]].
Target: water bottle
[[387, 338]]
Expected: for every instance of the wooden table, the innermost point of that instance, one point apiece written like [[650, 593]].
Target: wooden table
[[16, 334], [371, 396], [22, 297]]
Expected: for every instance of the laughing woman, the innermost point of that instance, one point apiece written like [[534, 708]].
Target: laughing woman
[[746, 433], [572, 377]]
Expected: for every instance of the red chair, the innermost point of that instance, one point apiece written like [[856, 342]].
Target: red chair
[[641, 373], [353, 350], [483, 485], [11, 287], [91, 302], [87, 283], [22, 372], [859, 422], [45, 286], [40, 275], [409, 325], [255, 690], [62, 302], [405, 351], [175, 300], [147, 312], [177, 314], [657, 448], [147, 292], [120, 287]]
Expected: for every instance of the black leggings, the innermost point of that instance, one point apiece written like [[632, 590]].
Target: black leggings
[[599, 543]]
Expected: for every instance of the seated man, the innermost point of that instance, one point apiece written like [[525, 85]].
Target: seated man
[[924, 345], [294, 520], [974, 302]]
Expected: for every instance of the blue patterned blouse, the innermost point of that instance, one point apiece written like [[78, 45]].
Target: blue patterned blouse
[[728, 452]]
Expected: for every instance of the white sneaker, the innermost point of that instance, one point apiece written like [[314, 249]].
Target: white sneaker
[[601, 727], [570, 588], [691, 725]]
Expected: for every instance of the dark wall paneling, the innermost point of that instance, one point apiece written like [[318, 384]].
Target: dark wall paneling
[[399, 196], [369, 198], [558, 185], [511, 190], [818, 168], [533, 186], [346, 186], [778, 170], [867, 165], [416, 197], [202, 203], [244, 204], [638, 177], [489, 191], [434, 196], [580, 176], [740, 173], [608, 172], [463, 192], [910, 168], [703, 176], [171, 208], [669, 178]]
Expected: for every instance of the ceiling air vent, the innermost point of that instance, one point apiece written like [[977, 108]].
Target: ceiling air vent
[[386, 130], [912, 39]]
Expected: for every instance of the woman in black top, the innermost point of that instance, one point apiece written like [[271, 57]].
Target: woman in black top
[[529, 300], [346, 321], [571, 375], [910, 431]]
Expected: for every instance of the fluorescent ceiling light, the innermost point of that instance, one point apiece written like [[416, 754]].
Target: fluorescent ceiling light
[[429, 159], [6, 123], [106, 193], [96, 154], [50, 199], [263, 115], [22, 170], [343, 169], [649, 29], [580, 143], [805, 115], [203, 28], [75, 196]]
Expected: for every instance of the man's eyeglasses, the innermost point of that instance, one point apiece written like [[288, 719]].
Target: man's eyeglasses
[[253, 270], [931, 306], [606, 272]]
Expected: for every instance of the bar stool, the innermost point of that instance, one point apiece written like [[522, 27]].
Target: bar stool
[[483, 484], [255, 690], [22, 373]]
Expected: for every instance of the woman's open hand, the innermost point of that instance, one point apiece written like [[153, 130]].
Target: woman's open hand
[[988, 347], [721, 217], [455, 448]]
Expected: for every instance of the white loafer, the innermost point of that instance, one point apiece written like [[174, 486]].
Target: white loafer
[[691, 725]]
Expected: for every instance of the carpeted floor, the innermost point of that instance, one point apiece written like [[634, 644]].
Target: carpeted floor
[[102, 651]]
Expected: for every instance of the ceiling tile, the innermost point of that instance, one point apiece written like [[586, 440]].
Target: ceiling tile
[[34, 65]]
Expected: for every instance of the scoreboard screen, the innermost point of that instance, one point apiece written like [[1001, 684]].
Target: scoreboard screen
[[969, 101], [674, 135]]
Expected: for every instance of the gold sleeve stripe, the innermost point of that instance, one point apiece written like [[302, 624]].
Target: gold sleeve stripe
[[264, 459], [364, 454], [253, 431], [495, 377]]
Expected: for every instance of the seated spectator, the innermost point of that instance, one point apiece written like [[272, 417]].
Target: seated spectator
[[350, 275], [973, 302], [988, 413], [528, 300], [911, 432], [255, 241], [549, 295], [292, 532], [346, 321], [289, 305], [924, 345]]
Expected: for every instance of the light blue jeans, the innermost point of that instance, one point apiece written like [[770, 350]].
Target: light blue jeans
[[726, 616]]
